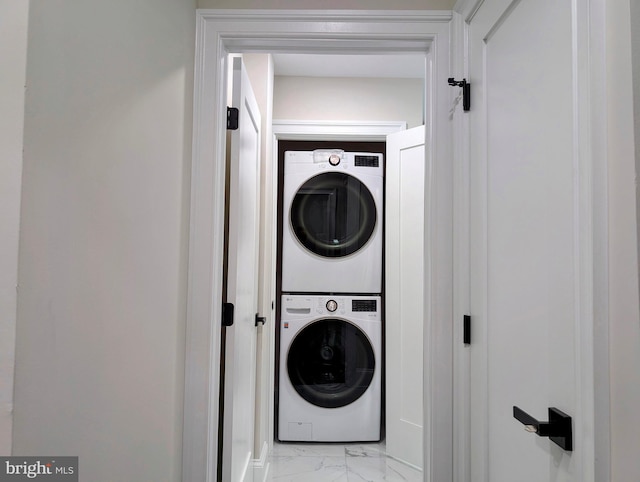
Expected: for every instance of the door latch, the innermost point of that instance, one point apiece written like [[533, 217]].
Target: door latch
[[466, 91], [260, 319], [558, 428]]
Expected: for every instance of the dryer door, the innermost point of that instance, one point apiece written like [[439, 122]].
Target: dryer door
[[333, 214], [331, 363]]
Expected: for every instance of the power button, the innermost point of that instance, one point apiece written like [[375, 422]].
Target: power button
[[332, 306]]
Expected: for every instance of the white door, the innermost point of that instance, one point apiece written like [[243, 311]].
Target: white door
[[404, 294], [524, 238], [242, 283]]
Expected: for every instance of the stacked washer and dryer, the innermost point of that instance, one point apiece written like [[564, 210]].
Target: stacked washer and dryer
[[330, 380]]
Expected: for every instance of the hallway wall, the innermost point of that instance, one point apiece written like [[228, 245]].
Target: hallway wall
[[348, 99], [13, 57], [103, 246]]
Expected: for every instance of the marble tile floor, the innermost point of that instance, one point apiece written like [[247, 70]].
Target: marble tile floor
[[336, 463]]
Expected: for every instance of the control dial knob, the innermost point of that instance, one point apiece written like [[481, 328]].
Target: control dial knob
[[332, 305]]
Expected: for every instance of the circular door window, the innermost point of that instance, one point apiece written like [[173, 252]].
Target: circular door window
[[330, 363], [333, 214]]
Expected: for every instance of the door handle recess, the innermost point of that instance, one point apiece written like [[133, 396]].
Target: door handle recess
[[558, 428]]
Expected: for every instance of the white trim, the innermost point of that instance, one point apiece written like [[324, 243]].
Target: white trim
[[222, 31], [335, 130], [316, 16], [204, 276], [261, 466], [461, 239], [592, 422], [467, 8]]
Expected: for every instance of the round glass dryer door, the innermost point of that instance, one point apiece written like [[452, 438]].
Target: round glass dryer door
[[331, 363], [333, 214]]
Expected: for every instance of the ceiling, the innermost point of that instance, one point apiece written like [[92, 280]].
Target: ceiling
[[321, 65]]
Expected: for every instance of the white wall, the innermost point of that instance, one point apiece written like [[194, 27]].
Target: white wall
[[13, 56], [103, 247], [348, 99], [635, 62], [623, 249], [330, 4]]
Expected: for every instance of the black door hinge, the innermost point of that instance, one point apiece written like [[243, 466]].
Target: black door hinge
[[260, 320], [466, 330], [466, 92], [227, 314], [232, 118]]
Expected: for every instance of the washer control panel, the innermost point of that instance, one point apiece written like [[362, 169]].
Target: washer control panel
[[300, 306]]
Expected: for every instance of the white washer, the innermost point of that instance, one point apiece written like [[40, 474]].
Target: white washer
[[330, 369], [332, 222]]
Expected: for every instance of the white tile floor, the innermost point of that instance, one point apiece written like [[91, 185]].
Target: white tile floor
[[336, 463]]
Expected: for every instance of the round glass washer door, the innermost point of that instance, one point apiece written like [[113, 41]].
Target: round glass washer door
[[333, 214], [331, 363]]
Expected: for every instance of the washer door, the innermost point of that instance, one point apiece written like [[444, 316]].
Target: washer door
[[333, 214], [331, 363]]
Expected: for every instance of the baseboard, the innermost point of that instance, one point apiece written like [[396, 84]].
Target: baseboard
[[261, 466]]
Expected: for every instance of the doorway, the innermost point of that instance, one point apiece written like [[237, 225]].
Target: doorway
[[314, 32]]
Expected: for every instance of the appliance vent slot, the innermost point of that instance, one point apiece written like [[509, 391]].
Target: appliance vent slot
[[367, 161], [363, 305]]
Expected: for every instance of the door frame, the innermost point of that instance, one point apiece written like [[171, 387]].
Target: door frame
[[219, 32], [592, 419]]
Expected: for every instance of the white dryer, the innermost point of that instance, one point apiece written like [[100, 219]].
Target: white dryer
[[332, 222], [330, 369]]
